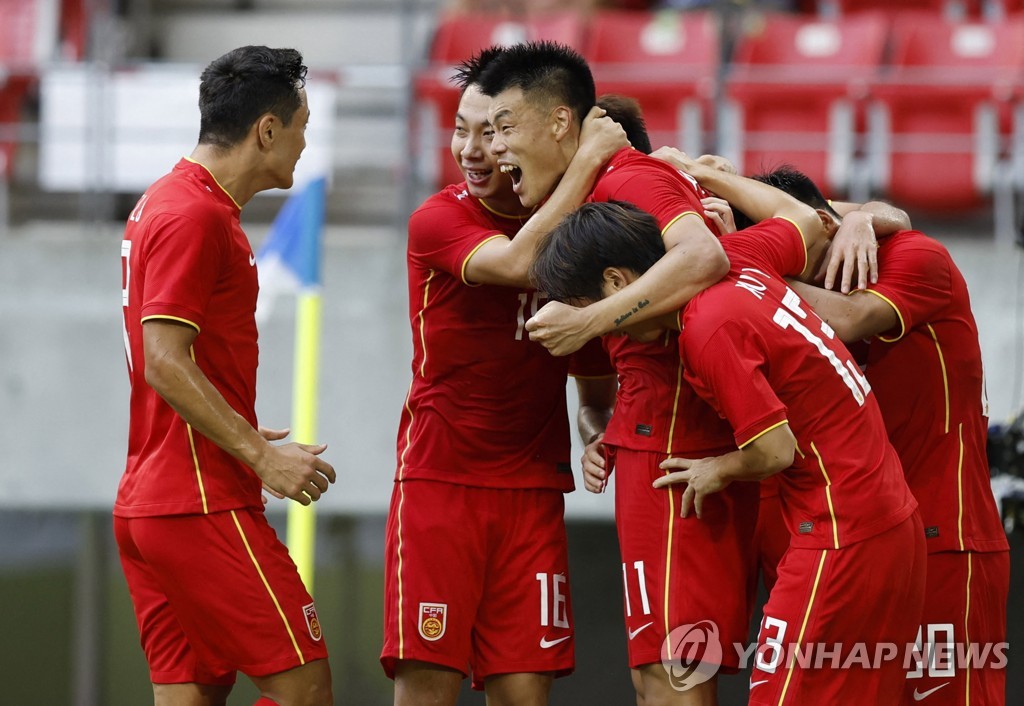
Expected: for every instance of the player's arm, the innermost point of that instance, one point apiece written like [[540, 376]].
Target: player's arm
[[597, 400], [853, 317], [294, 470], [506, 261], [766, 455]]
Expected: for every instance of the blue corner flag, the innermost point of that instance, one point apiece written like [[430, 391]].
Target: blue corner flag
[[289, 259]]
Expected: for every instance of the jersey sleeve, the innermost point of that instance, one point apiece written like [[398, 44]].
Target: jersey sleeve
[[183, 260], [666, 195], [726, 365], [591, 361], [443, 235], [914, 278], [776, 245]]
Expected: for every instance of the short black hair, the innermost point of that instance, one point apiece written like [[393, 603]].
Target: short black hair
[[467, 73], [554, 71], [626, 112], [570, 262], [798, 185], [239, 87]]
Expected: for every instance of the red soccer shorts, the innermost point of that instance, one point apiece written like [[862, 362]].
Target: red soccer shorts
[[838, 621], [477, 580], [215, 594], [679, 571], [771, 539], [964, 614]]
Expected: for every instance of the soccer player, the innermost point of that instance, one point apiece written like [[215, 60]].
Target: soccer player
[[214, 590], [924, 364], [854, 572], [476, 558], [672, 568]]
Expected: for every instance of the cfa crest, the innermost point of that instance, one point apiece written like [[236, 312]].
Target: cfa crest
[[433, 620], [312, 622]]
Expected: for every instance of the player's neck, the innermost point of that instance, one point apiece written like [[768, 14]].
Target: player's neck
[[230, 169]]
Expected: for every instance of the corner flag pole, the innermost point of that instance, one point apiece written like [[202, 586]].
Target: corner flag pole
[[301, 534]]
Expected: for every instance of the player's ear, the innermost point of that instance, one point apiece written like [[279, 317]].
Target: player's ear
[[561, 121], [828, 222], [613, 279], [266, 128]]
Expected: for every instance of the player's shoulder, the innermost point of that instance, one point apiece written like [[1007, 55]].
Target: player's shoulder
[[915, 249]]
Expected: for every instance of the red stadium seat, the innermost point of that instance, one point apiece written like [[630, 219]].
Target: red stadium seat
[[795, 94], [27, 36], [456, 38], [668, 61], [941, 114]]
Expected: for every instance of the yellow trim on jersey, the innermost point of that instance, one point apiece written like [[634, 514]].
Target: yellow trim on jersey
[[195, 456], [671, 498], [945, 379], [960, 489], [193, 324], [423, 325], [401, 597], [270, 591], [462, 272], [675, 406], [899, 315], [803, 239], [189, 159], [828, 496], [803, 627], [800, 451], [679, 217], [967, 632], [508, 216], [758, 435]]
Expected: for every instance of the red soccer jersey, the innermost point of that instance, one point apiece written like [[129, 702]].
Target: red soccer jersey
[[928, 378], [487, 405], [185, 257], [762, 357], [655, 410]]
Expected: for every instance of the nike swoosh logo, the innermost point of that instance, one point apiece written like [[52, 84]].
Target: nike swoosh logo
[[634, 633], [922, 695], [758, 683], [252, 260], [546, 643]]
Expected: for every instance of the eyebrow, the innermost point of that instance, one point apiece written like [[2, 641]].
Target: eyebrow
[[501, 114]]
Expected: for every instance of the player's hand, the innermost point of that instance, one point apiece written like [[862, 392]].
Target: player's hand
[[595, 475], [717, 162], [856, 249], [720, 213], [701, 477], [560, 328], [677, 158], [295, 471], [601, 137]]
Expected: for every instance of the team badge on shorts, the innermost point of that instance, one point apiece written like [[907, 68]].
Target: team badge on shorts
[[312, 622], [433, 620]]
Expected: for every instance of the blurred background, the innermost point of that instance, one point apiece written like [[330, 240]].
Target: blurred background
[[920, 102]]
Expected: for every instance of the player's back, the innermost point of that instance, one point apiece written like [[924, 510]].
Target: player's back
[[929, 381], [786, 364]]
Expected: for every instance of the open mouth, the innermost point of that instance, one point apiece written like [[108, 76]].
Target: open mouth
[[514, 172]]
